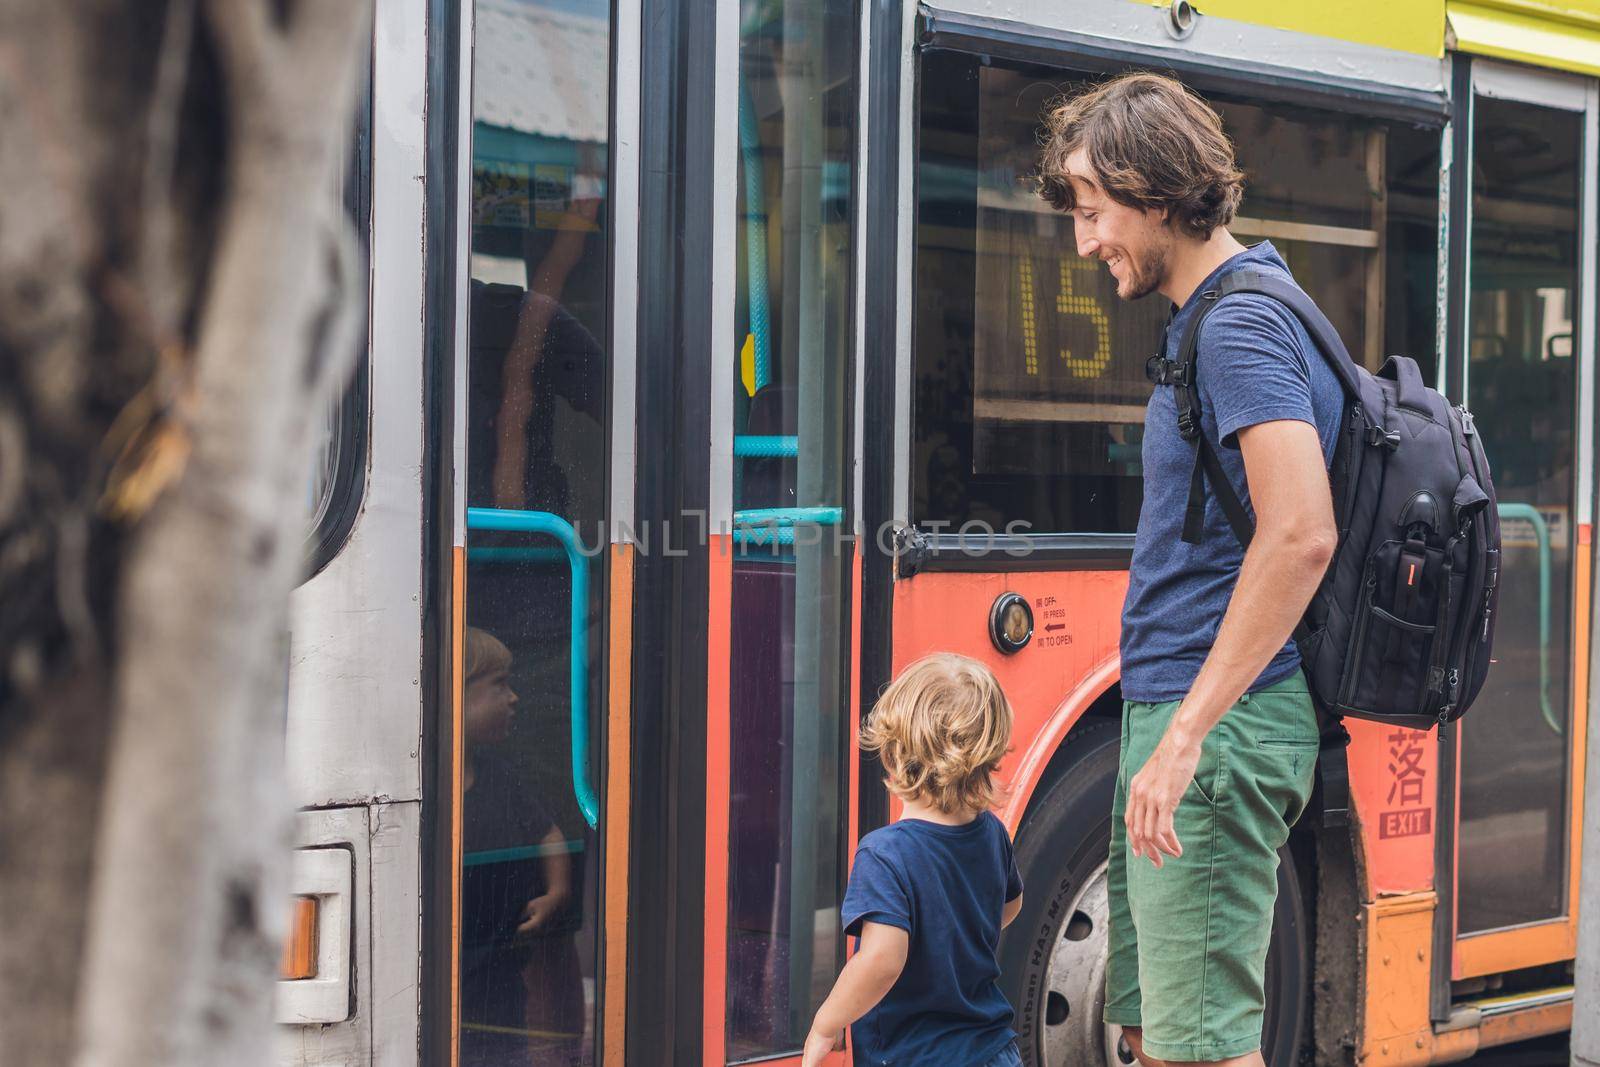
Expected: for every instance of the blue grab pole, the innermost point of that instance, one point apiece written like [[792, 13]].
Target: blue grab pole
[[542, 522]]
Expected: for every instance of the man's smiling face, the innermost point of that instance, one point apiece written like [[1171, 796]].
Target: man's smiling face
[[1134, 243]]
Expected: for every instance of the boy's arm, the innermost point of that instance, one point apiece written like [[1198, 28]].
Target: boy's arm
[[1009, 912], [556, 863], [870, 974]]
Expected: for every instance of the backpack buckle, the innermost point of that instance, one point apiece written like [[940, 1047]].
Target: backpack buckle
[[1189, 425], [1377, 435], [1163, 371]]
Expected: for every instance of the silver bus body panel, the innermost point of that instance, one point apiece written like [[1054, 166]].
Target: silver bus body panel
[[354, 717], [350, 1041]]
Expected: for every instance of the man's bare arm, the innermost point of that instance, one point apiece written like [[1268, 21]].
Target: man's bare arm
[[1294, 540]]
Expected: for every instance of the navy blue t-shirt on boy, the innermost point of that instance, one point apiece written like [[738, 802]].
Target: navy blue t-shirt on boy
[[1256, 364], [945, 886]]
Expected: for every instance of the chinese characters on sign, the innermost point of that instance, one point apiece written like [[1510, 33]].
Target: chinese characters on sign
[[1410, 813]]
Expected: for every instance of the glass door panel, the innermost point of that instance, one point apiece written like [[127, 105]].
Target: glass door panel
[[1029, 372], [789, 662], [539, 304], [1522, 382]]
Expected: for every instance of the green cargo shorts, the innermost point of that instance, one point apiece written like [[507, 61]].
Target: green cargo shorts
[[1189, 940]]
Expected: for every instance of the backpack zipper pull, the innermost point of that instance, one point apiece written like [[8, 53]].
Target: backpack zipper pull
[[1452, 681]]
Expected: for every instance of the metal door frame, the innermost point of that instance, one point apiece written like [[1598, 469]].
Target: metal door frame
[[1554, 939]]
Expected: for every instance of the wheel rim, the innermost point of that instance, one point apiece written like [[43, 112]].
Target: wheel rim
[[1071, 1032]]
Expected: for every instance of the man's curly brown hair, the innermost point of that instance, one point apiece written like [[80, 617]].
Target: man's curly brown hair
[[1153, 144]]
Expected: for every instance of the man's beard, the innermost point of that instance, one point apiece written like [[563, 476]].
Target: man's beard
[[1144, 273]]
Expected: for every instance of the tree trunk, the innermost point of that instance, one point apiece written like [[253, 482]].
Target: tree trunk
[[177, 305]]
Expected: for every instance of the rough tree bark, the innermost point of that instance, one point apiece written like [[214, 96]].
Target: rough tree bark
[[178, 302]]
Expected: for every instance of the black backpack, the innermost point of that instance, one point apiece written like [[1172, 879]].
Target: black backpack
[[1400, 630]]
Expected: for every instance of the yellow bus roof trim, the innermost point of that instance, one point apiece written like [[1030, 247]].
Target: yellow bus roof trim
[[1583, 13], [1570, 43], [1410, 26]]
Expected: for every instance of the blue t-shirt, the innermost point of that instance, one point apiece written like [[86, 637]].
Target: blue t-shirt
[[945, 886], [1256, 364]]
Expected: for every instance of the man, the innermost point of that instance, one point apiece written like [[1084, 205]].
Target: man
[[1219, 736]]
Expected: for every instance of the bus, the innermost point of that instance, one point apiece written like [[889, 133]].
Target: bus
[[721, 362]]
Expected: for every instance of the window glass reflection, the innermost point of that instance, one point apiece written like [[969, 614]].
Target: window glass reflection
[[338, 458], [538, 309], [1030, 380], [789, 699], [1521, 377]]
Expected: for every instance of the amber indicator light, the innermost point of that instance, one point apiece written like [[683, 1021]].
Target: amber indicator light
[[300, 953]]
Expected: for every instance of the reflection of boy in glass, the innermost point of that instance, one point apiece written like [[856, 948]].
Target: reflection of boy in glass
[[521, 986]]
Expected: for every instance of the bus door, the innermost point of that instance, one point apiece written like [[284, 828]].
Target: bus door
[[784, 567], [534, 299], [1526, 366]]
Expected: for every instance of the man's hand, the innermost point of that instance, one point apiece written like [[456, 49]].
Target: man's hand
[[1294, 540], [1154, 794], [818, 1046]]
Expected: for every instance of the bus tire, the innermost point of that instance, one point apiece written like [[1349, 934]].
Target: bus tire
[[1053, 955]]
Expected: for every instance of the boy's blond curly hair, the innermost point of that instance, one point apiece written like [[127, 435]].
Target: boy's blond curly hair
[[940, 730]]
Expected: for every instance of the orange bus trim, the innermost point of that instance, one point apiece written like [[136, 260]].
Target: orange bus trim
[[719, 681], [619, 784], [458, 637]]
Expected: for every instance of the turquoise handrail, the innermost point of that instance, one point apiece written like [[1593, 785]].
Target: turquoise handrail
[[520, 852], [763, 536], [542, 522], [766, 446], [788, 516], [1541, 533], [774, 527], [755, 236]]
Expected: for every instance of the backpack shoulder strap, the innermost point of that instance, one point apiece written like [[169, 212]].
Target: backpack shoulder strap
[[1186, 393], [1333, 774], [1290, 295], [1185, 380]]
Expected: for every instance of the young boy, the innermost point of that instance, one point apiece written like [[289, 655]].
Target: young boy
[[929, 894]]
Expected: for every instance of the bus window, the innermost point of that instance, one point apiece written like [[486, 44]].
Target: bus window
[[1029, 371], [789, 693], [535, 473], [339, 458], [1521, 377]]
